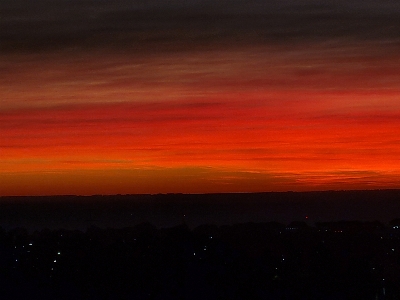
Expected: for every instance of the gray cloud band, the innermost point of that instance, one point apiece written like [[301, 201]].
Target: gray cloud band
[[47, 24]]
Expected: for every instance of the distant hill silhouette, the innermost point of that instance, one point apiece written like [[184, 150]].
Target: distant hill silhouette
[[166, 210]]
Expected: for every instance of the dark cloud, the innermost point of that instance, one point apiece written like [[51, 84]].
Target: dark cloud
[[45, 24]]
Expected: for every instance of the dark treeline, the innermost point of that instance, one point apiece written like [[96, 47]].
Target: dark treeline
[[166, 210], [331, 260]]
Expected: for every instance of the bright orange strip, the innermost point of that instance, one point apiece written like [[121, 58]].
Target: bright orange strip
[[198, 124]]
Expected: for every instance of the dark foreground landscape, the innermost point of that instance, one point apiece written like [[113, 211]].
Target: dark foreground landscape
[[318, 245]]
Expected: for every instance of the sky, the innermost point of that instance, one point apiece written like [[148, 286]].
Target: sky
[[198, 96]]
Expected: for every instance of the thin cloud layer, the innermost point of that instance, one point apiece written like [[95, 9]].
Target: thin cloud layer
[[38, 25], [198, 96]]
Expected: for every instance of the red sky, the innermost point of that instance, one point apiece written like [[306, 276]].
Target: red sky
[[242, 117]]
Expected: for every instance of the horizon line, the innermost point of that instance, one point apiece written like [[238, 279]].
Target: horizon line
[[215, 193]]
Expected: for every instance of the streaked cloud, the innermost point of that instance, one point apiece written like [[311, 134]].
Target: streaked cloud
[[192, 96]]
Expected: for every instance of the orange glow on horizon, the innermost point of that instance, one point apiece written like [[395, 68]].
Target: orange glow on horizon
[[230, 121]]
